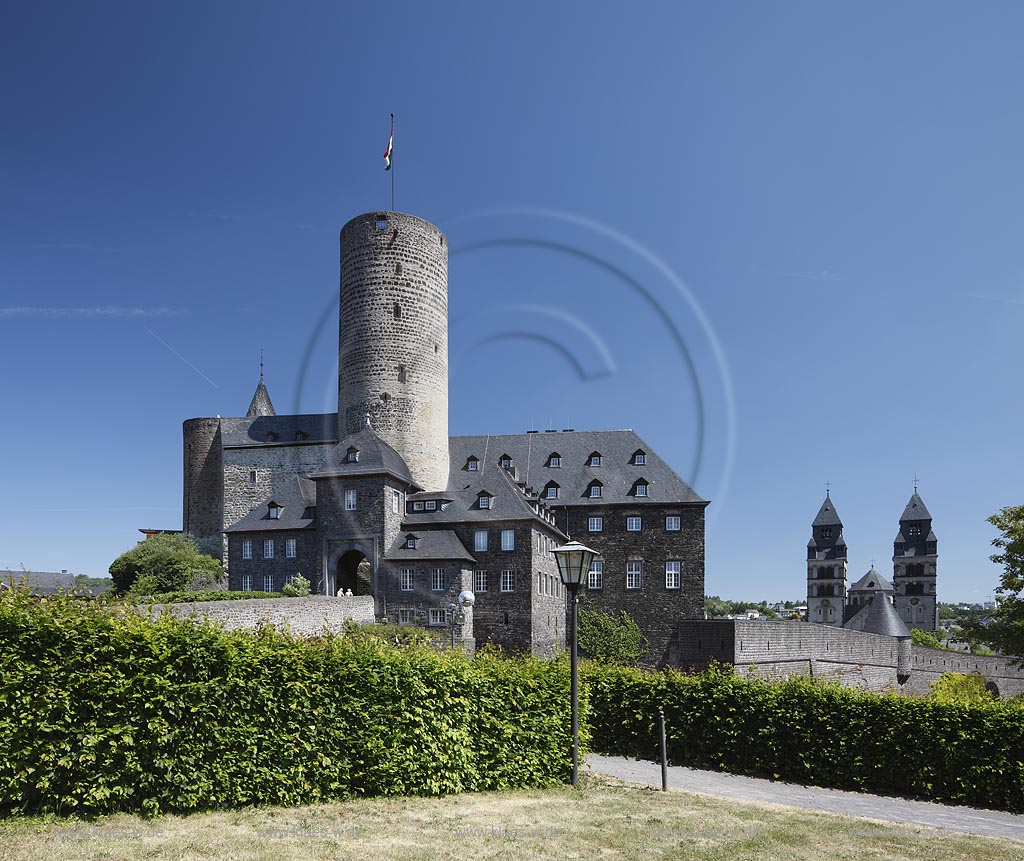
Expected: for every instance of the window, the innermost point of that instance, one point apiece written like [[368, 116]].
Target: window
[[672, 575], [268, 582], [595, 524], [505, 462], [595, 576], [437, 579], [437, 616], [247, 582], [639, 458], [289, 578], [382, 222], [480, 581], [350, 500], [352, 455], [417, 506], [271, 436], [595, 490], [246, 548], [405, 617], [268, 548], [633, 524], [826, 532], [540, 583], [401, 374], [431, 505], [634, 574], [915, 531], [594, 459], [274, 511], [480, 541], [672, 523], [508, 539], [508, 581], [551, 491], [252, 476], [640, 488], [396, 502], [484, 500], [410, 542], [554, 460], [290, 546], [472, 464], [406, 580]]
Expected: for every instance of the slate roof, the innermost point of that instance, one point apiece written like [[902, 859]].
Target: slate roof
[[297, 499], [617, 472], [827, 515], [39, 582], [915, 510], [253, 430], [430, 544], [872, 582], [376, 457], [260, 404], [879, 617]]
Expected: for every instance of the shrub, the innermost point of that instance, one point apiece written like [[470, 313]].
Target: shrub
[[172, 559], [814, 733], [613, 640], [960, 688], [297, 589], [104, 711], [188, 596]]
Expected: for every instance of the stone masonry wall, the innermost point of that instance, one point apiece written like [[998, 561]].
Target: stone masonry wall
[[203, 485], [305, 562], [393, 339], [306, 617]]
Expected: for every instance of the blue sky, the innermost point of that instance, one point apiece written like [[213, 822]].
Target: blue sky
[[779, 241]]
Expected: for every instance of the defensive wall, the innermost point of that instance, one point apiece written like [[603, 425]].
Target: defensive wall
[[306, 617], [780, 650]]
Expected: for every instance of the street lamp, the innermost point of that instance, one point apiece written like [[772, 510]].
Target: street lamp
[[573, 564], [457, 612]]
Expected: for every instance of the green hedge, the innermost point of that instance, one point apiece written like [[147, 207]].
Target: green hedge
[[813, 733], [103, 711]]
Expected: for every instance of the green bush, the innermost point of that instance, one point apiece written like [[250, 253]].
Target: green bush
[[814, 733], [102, 711], [387, 632], [611, 639], [187, 596], [961, 688], [298, 589], [172, 560]]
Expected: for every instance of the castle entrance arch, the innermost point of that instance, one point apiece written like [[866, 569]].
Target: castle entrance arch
[[354, 574]]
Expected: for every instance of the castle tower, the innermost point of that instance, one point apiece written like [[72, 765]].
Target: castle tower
[[393, 339], [915, 556], [826, 567]]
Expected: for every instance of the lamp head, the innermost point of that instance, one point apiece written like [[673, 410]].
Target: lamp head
[[574, 562]]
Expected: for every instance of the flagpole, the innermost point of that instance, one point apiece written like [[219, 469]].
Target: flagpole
[[392, 165]]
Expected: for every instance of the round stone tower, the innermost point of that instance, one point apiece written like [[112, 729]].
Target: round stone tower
[[393, 338]]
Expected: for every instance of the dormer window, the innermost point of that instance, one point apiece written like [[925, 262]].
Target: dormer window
[[484, 500], [352, 455], [554, 460], [274, 511], [594, 459], [472, 464], [410, 542], [551, 490], [595, 490], [639, 458], [417, 506], [640, 488], [505, 462], [431, 505], [271, 436]]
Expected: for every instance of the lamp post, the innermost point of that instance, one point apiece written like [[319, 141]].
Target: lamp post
[[457, 611], [573, 564]]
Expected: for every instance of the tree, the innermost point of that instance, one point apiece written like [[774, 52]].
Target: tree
[[961, 688], [1005, 631], [614, 640], [168, 562], [297, 589]]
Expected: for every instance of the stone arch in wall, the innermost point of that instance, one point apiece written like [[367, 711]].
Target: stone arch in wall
[[349, 567]]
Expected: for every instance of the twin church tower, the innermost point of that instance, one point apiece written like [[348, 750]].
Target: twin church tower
[[914, 559]]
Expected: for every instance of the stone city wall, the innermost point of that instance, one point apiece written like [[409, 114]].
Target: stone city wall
[[306, 617]]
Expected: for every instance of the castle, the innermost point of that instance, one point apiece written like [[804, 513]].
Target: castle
[[911, 592], [379, 500]]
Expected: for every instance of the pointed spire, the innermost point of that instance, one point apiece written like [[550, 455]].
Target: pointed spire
[[260, 405], [827, 515], [915, 510]]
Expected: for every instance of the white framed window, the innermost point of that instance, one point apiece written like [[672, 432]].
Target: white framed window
[[396, 502], [290, 547], [672, 523], [437, 616], [595, 524], [268, 582], [480, 541], [641, 489], [551, 492], [247, 582], [268, 548], [246, 548], [673, 574], [595, 491], [506, 463], [417, 506], [479, 581], [437, 579], [289, 578], [555, 461], [410, 542], [508, 581], [594, 460], [351, 499], [472, 464], [485, 501], [431, 505], [406, 579], [274, 511], [405, 616], [639, 458], [595, 576], [634, 574], [508, 539], [633, 524]]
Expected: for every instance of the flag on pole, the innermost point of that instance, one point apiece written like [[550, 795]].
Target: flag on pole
[[391, 142]]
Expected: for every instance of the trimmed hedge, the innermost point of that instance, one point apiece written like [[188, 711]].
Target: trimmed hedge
[[814, 733], [103, 711]]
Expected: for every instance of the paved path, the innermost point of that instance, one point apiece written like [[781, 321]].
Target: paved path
[[991, 823]]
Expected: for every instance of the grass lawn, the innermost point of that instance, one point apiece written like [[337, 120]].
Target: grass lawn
[[604, 820]]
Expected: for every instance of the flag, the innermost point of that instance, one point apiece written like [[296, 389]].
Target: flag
[[387, 152]]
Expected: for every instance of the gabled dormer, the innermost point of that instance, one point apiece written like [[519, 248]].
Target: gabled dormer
[[505, 461], [274, 510], [551, 490], [639, 458], [594, 458], [554, 460], [472, 464], [639, 488], [595, 490], [484, 500], [410, 541], [351, 455]]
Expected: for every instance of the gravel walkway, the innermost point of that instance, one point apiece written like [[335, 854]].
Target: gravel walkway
[[990, 823]]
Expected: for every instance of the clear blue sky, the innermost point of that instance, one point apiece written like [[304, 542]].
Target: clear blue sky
[[837, 186]]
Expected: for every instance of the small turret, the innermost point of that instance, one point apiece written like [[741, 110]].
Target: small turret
[[260, 404]]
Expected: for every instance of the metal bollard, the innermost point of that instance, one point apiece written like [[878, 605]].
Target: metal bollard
[[664, 751]]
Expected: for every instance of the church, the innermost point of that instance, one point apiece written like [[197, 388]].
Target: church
[[377, 499]]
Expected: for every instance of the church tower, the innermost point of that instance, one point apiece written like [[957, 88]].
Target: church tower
[[393, 339], [826, 567], [915, 556]]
